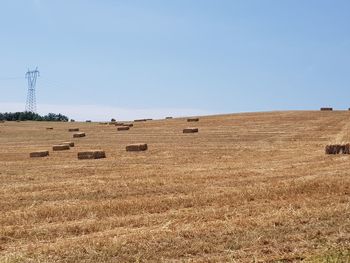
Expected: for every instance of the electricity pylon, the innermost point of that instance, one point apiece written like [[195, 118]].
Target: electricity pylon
[[31, 76]]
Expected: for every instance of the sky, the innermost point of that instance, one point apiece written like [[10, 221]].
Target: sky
[[129, 59]]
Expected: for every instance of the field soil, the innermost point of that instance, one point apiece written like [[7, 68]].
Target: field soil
[[253, 187]]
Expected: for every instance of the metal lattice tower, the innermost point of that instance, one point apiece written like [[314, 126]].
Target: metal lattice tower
[[31, 76]]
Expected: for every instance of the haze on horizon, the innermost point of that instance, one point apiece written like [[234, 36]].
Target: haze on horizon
[[130, 59]]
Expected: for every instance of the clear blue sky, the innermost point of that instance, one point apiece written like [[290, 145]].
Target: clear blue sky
[[164, 57]]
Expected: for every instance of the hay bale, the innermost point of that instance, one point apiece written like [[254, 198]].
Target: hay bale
[[346, 148], [192, 119], [128, 125], [73, 129], [338, 149], [118, 123], [140, 120], [332, 149], [168, 118], [70, 144], [79, 135], [96, 154], [123, 128], [39, 154], [326, 109], [49, 128], [136, 147], [60, 147], [190, 130]]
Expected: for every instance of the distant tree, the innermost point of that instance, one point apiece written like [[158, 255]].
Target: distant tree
[[30, 116], [112, 120]]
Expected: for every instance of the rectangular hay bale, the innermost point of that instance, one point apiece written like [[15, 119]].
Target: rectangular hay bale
[[192, 119], [70, 144], [60, 147], [326, 109], [123, 128], [136, 147], [190, 130], [79, 135], [338, 149], [95, 154], [39, 154], [73, 129], [118, 123]]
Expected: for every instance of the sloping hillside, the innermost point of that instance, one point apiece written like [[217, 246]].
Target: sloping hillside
[[255, 186]]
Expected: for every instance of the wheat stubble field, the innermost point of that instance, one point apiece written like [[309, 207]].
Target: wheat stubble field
[[253, 187]]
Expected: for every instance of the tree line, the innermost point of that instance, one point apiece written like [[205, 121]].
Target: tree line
[[31, 116]]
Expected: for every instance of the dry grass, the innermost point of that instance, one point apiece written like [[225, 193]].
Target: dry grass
[[247, 188]]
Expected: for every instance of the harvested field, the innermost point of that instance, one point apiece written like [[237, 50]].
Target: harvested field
[[255, 187]]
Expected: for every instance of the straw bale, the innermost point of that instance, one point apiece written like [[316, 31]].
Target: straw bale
[[60, 147], [136, 147], [79, 135], [39, 154], [94, 154], [190, 130], [70, 144]]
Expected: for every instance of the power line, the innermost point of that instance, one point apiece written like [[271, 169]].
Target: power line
[[11, 78]]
